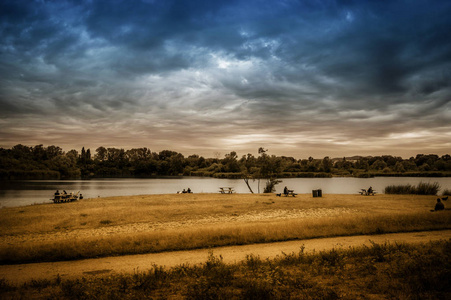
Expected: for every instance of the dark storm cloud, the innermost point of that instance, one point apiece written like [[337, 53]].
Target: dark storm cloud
[[304, 72]]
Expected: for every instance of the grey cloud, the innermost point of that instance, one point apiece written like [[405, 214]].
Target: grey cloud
[[288, 68]]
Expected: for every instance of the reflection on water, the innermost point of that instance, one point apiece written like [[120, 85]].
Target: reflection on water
[[18, 193]]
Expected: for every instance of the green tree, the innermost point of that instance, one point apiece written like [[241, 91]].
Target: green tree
[[101, 154], [399, 167], [269, 168], [176, 164], [230, 163], [326, 164], [379, 165]]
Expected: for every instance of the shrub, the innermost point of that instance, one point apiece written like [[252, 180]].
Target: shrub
[[421, 189], [427, 188], [399, 189], [270, 185]]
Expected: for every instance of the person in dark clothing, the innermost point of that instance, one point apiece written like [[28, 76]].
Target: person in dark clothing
[[439, 205], [285, 191]]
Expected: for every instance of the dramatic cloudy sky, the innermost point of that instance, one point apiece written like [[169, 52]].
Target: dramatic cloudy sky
[[300, 78]]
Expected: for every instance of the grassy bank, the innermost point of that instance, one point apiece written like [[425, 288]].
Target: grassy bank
[[214, 236], [382, 271], [155, 223]]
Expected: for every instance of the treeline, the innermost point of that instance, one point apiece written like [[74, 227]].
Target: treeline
[[39, 162]]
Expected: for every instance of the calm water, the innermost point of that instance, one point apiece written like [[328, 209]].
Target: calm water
[[28, 192]]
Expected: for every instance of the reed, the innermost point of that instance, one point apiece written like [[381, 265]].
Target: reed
[[400, 189], [422, 188]]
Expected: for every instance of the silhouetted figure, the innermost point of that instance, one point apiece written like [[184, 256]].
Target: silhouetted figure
[[57, 193], [188, 191], [439, 205], [370, 191], [183, 192], [285, 191]]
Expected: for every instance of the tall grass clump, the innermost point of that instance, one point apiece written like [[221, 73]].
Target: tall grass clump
[[427, 188], [400, 189], [422, 188], [446, 192]]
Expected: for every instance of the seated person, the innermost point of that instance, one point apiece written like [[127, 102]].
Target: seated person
[[370, 191], [439, 205]]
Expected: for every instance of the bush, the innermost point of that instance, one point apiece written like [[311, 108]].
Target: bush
[[400, 189], [270, 185], [421, 189], [427, 188]]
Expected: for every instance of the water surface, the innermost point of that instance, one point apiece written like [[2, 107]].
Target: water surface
[[18, 193]]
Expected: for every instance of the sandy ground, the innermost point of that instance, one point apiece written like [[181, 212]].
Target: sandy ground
[[138, 263]]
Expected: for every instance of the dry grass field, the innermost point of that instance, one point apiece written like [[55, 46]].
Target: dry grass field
[[154, 223]]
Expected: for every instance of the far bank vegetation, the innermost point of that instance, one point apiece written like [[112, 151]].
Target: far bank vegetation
[[40, 162]]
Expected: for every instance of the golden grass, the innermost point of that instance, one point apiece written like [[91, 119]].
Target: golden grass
[[89, 213], [152, 223]]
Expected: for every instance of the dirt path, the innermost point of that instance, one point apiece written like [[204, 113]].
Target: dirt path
[[133, 263]]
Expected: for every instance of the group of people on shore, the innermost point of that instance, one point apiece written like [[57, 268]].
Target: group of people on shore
[[187, 191], [64, 193], [57, 193]]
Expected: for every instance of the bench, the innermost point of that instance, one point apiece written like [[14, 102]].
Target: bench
[[226, 190], [365, 192], [289, 193]]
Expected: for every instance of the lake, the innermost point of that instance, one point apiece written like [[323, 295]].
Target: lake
[[27, 192]]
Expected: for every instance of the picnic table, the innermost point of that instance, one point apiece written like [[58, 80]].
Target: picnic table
[[290, 193], [364, 192], [226, 190]]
